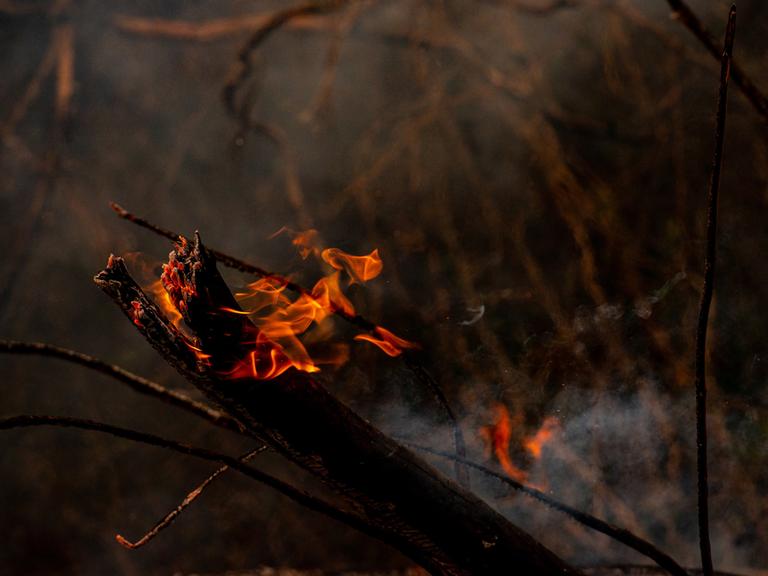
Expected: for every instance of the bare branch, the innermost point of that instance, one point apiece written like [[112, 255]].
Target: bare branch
[[168, 519], [619, 534], [135, 382], [687, 17], [242, 67], [706, 300], [299, 496], [206, 31]]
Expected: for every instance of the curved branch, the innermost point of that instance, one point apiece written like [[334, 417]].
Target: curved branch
[[168, 519], [619, 534], [134, 381], [305, 499], [276, 21]]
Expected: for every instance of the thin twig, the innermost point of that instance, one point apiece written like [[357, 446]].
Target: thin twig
[[236, 263], [299, 496], [706, 300], [411, 359], [687, 17], [168, 519], [619, 534], [136, 382]]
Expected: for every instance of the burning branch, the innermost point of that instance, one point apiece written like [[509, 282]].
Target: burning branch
[[442, 527], [706, 299], [411, 359]]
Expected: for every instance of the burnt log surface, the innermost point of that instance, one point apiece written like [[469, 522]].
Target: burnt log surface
[[428, 517]]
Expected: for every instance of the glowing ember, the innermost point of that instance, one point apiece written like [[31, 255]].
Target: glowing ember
[[136, 313]]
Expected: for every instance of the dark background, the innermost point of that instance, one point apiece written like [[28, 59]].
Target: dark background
[[550, 166]]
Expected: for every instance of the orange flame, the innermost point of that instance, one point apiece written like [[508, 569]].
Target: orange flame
[[163, 300], [305, 241], [498, 437], [534, 444], [281, 321], [391, 345], [499, 434], [359, 268], [284, 327]]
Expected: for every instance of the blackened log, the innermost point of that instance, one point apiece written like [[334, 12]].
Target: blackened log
[[437, 523]]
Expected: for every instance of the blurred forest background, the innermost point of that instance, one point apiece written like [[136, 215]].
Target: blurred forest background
[[533, 174]]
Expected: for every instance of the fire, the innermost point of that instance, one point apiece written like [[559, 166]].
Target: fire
[[499, 435], [266, 360], [359, 268], [534, 444], [287, 325], [391, 345], [163, 300], [305, 241]]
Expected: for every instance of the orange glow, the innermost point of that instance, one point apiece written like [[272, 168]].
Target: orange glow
[[281, 321], [534, 444], [359, 268], [163, 300], [305, 241], [282, 326], [498, 437], [201, 356], [391, 345], [136, 312]]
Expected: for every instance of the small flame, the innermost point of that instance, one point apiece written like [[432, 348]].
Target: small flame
[[201, 356], [498, 437], [305, 241], [163, 300], [265, 361], [328, 296], [389, 343], [359, 268], [534, 444]]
